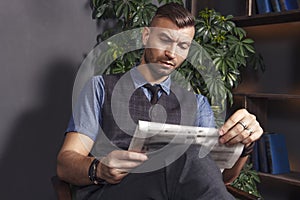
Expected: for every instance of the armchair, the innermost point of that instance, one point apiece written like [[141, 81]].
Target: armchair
[[63, 192]]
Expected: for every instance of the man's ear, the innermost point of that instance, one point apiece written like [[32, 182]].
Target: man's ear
[[145, 35]]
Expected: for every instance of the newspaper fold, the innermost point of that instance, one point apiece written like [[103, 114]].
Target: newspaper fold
[[151, 136]]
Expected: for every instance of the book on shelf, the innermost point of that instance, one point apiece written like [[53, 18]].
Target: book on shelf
[[254, 157], [275, 5], [270, 154], [288, 4], [250, 7], [262, 155], [277, 154], [263, 6], [267, 6]]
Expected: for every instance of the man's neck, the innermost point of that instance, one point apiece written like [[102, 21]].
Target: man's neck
[[148, 75]]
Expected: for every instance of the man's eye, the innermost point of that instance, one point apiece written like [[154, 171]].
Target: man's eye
[[184, 46], [165, 40]]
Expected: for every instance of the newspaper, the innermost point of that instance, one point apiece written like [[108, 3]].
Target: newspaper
[[151, 136]]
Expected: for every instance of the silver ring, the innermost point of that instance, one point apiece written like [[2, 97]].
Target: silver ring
[[243, 124], [250, 131]]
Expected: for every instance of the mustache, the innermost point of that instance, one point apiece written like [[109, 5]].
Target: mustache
[[168, 62]]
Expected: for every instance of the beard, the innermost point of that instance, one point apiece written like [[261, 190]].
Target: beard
[[155, 64]]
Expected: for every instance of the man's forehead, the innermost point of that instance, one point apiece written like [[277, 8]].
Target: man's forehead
[[180, 33]]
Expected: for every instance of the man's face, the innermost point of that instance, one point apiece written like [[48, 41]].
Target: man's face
[[166, 46]]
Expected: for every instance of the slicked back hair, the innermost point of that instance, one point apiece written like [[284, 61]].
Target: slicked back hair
[[176, 13]]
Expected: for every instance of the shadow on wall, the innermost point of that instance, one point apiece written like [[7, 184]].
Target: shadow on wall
[[30, 157]]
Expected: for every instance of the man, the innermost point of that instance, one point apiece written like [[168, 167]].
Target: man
[[167, 42]]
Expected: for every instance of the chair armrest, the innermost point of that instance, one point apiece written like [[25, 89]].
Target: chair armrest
[[61, 188], [63, 191]]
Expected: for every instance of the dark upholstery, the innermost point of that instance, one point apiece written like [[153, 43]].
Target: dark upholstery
[[63, 191]]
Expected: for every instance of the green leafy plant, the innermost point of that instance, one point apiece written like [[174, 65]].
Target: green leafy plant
[[228, 47], [226, 44], [247, 180]]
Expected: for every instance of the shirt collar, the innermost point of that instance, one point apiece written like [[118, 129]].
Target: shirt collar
[[139, 80]]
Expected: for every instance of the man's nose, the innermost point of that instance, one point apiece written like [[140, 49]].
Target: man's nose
[[171, 52]]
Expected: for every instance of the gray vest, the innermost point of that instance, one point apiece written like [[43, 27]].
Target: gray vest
[[124, 106]]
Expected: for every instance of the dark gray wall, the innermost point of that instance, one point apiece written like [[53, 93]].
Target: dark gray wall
[[42, 45]]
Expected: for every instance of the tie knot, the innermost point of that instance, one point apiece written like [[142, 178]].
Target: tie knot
[[154, 89]]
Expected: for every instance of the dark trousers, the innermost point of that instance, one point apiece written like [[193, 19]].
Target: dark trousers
[[188, 178]]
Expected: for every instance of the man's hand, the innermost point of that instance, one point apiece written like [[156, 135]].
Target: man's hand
[[116, 165], [240, 127]]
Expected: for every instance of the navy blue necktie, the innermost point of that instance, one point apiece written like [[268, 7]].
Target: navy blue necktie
[[154, 89]]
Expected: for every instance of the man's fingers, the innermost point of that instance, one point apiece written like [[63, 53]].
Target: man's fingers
[[134, 156], [115, 177], [128, 155], [240, 127], [234, 119], [124, 159], [125, 165], [116, 165], [237, 133], [112, 175]]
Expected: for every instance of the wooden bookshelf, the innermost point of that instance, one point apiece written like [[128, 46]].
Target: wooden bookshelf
[[270, 96], [281, 186], [269, 29], [268, 18], [257, 103], [292, 178]]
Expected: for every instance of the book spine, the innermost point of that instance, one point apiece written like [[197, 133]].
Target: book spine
[[282, 5], [249, 7], [292, 4], [263, 6], [263, 162], [255, 158], [269, 154], [279, 154], [288, 4], [275, 5]]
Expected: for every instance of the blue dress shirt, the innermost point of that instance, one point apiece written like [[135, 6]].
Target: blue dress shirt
[[87, 117]]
